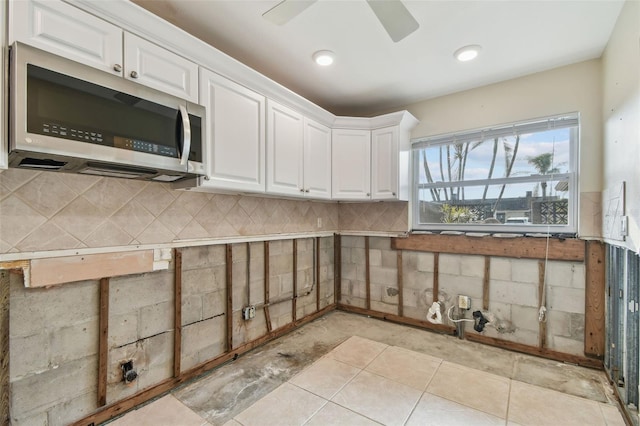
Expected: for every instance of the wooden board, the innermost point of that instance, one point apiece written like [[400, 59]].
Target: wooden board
[[542, 301], [594, 321], [294, 308], [486, 280], [520, 247], [177, 313], [229, 309], [367, 273], [440, 328], [60, 270], [317, 272], [400, 283], [337, 274], [532, 350], [103, 342]]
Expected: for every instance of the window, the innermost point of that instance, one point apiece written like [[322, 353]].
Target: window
[[513, 178]]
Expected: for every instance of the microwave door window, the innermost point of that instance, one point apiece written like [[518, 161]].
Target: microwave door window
[[70, 108]]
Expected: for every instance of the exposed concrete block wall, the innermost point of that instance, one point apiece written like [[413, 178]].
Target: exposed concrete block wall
[[513, 291], [54, 331], [566, 304], [417, 272], [140, 330], [326, 286], [353, 284], [204, 295], [384, 275], [54, 356]]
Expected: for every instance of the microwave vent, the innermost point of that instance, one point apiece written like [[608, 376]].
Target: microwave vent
[[41, 164], [111, 170]]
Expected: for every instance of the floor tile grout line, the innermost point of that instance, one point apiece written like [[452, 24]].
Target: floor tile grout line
[[462, 403], [506, 419], [326, 401]]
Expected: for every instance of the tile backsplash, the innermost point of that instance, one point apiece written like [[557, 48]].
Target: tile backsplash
[[48, 211]]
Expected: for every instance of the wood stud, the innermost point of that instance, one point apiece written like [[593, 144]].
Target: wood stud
[[542, 301], [317, 272], [594, 324], [177, 312], [103, 342], [486, 279], [367, 271], [266, 287], [337, 268], [436, 276], [294, 300], [229, 310], [400, 283]]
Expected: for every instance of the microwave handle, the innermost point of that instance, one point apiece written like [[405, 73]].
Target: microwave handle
[[186, 135]]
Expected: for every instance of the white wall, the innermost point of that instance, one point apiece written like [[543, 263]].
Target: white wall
[[567, 89], [621, 114]]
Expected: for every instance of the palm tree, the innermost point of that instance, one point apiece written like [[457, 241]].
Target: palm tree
[[491, 167], [510, 154], [543, 164]]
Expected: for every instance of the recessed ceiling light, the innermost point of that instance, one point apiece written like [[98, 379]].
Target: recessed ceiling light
[[467, 53], [324, 57]]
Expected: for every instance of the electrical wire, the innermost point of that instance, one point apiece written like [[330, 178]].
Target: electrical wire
[[458, 320], [542, 311]]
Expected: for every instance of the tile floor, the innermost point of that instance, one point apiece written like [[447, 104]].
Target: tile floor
[[364, 382]]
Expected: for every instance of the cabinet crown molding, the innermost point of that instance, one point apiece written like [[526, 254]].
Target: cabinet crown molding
[[403, 119]]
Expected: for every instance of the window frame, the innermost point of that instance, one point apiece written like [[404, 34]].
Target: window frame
[[568, 120]]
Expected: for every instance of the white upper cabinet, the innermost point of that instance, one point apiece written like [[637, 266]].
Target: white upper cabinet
[[285, 143], [317, 160], [66, 31], [298, 154], [235, 135], [384, 163], [153, 66], [351, 164]]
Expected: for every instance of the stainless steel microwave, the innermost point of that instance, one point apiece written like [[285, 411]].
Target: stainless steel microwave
[[68, 117]]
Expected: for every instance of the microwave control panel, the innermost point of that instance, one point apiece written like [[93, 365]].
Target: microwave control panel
[[98, 138], [142, 146]]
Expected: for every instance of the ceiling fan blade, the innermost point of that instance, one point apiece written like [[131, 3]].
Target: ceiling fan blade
[[286, 10], [394, 17]]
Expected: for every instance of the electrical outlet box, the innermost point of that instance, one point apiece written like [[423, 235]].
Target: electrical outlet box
[[464, 302], [248, 312]]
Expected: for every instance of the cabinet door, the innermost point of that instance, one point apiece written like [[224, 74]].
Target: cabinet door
[[153, 66], [351, 164], [384, 163], [317, 160], [235, 134], [284, 150], [62, 29]]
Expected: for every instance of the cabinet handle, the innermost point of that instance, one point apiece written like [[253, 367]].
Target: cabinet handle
[[117, 68], [306, 190], [134, 74], [368, 194], [393, 193], [301, 190]]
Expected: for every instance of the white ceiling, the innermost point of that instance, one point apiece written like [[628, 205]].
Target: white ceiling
[[371, 73]]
